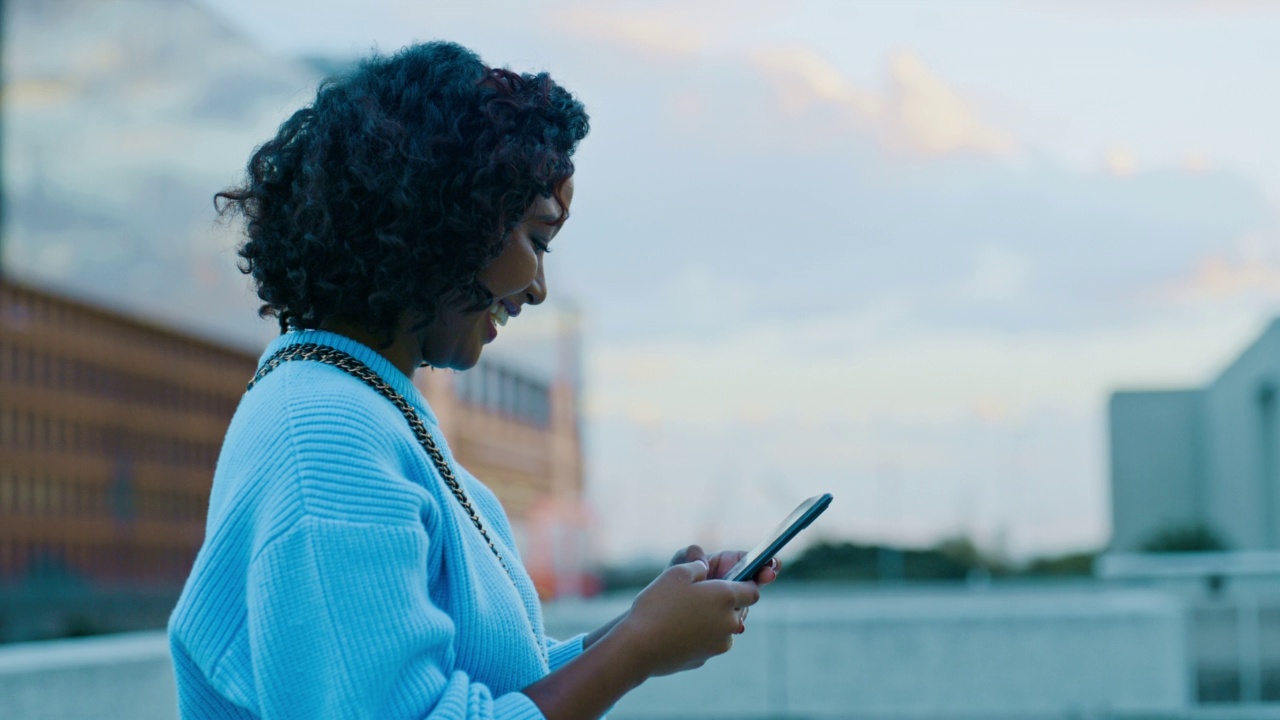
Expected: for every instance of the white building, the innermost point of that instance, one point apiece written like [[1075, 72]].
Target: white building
[[1204, 456]]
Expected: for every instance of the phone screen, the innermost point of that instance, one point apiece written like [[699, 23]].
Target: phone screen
[[760, 555]]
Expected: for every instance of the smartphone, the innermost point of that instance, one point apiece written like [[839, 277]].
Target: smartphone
[[760, 555]]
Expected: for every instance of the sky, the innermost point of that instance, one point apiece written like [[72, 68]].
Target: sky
[[899, 252]]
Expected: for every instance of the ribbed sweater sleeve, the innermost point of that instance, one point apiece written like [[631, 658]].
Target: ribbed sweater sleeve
[[560, 652], [341, 625]]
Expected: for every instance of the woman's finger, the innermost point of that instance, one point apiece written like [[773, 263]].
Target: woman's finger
[[689, 554]]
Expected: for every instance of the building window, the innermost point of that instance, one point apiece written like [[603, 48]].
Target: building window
[[506, 392], [22, 494], [8, 492], [57, 499], [39, 496]]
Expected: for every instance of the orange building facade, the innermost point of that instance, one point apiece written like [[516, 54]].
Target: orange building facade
[[110, 428], [109, 432]]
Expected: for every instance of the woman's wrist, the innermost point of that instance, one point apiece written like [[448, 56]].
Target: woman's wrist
[[595, 635], [624, 648], [593, 682], [630, 646]]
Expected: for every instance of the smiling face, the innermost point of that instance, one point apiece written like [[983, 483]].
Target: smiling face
[[515, 278]]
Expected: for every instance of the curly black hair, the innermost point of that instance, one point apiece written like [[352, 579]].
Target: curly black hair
[[397, 185]]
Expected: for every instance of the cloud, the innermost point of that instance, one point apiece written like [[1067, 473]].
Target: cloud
[[917, 111], [1121, 162], [658, 31], [1244, 274], [778, 93], [804, 79], [1146, 9], [37, 93], [1196, 162], [667, 29], [932, 117], [843, 366], [1219, 277], [998, 275]]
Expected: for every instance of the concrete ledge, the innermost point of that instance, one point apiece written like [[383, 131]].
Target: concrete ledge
[[935, 655], [930, 654], [111, 676], [1265, 711], [1131, 566]]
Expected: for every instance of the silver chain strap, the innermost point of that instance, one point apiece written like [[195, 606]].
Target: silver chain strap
[[362, 372]]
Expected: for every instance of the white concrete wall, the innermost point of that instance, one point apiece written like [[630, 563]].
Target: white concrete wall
[[955, 654], [941, 655], [1157, 464], [1222, 442], [1242, 502]]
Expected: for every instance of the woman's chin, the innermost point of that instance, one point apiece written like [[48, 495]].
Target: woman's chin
[[465, 359]]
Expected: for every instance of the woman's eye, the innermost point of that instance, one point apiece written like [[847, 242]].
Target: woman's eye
[[540, 245]]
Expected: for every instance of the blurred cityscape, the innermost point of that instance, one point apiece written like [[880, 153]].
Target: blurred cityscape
[[126, 337]]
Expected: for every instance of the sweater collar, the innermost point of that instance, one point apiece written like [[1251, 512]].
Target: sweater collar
[[365, 354]]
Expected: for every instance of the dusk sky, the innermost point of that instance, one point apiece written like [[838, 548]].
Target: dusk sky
[[901, 252]]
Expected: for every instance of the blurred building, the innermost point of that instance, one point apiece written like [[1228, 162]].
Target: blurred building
[[110, 429], [1205, 458]]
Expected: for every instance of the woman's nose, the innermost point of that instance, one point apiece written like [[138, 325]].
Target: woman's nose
[[537, 290]]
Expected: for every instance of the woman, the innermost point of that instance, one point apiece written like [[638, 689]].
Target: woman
[[351, 568]]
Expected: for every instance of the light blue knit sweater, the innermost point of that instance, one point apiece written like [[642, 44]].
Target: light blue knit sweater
[[340, 578]]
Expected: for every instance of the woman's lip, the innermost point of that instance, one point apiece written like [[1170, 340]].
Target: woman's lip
[[491, 328], [512, 308]]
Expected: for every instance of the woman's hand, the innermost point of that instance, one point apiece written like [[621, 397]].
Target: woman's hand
[[722, 562], [676, 623], [682, 619]]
